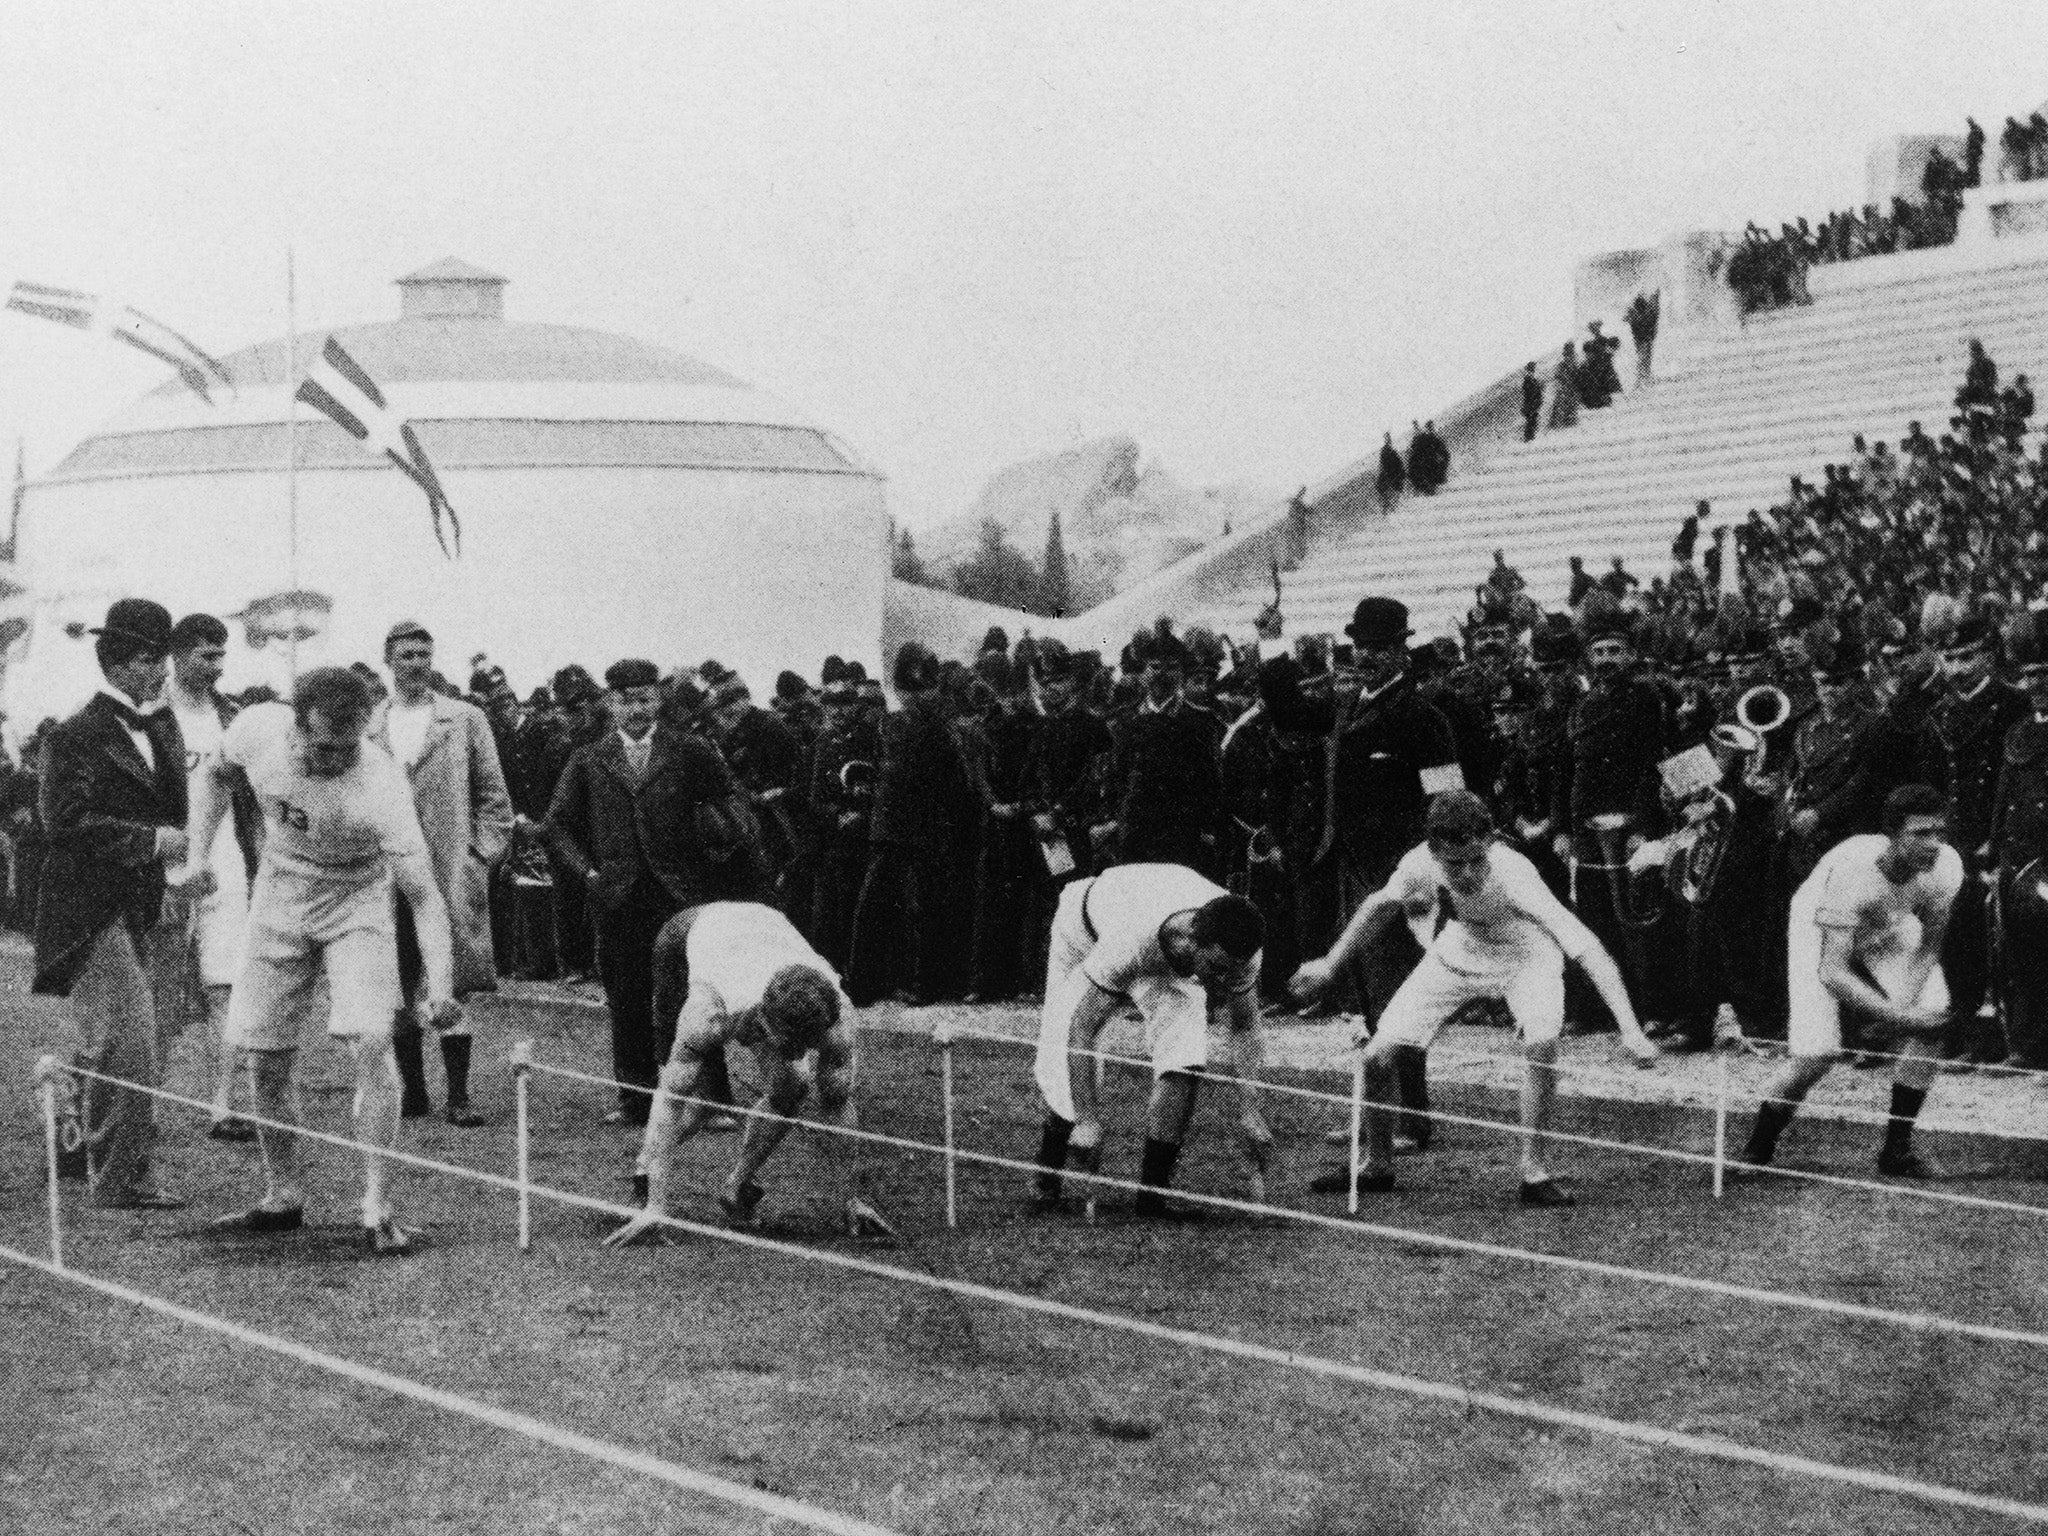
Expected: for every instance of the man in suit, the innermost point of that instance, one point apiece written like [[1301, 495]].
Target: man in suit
[[113, 810], [647, 820], [1386, 750], [450, 759]]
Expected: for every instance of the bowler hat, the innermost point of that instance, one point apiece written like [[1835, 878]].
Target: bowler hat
[[1378, 622], [633, 672], [406, 629], [140, 622]]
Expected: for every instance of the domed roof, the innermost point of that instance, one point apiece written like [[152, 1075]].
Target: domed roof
[[487, 392]]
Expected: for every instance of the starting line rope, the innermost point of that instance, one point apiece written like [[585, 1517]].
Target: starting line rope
[[1917, 1322], [1572, 1138], [1468, 1401], [775, 1506]]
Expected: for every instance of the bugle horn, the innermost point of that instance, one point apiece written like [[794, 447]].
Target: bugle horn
[[1611, 831]]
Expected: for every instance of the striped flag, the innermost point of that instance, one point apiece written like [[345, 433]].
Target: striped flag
[[109, 317], [336, 386]]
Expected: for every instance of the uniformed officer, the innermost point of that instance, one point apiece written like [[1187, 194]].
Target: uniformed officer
[[2019, 832], [1831, 772], [1960, 748]]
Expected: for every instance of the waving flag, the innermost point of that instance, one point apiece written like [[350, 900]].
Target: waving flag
[[109, 317], [336, 386]]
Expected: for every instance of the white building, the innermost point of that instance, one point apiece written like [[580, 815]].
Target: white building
[[616, 498]]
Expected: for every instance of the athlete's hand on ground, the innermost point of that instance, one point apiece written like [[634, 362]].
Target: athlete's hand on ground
[[1310, 980], [1086, 1136], [444, 1014], [1642, 1048], [647, 1228]]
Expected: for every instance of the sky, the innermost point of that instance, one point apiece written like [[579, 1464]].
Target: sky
[[1252, 237]]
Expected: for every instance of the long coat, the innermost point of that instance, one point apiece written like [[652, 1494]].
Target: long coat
[[458, 790], [681, 824], [101, 807]]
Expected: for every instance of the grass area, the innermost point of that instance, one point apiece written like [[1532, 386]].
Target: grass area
[[918, 1410]]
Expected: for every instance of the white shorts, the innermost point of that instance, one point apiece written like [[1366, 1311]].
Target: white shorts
[[300, 932], [1175, 1009], [1814, 1019], [1531, 984]]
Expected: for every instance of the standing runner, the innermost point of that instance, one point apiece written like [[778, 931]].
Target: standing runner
[[338, 831], [1507, 938]]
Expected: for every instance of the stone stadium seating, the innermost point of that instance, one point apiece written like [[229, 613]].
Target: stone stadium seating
[[1883, 343]]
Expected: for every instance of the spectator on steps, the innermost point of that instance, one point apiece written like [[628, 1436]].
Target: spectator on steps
[[1429, 461], [1642, 327], [1688, 539], [1980, 380], [1973, 153], [1532, 402], [2014, 152], [1618, 583], [1582, 586], [1564, 390], [1598, 382], [1393, 473]]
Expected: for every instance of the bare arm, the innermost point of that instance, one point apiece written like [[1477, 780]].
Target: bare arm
[[1605, 976], [210, 804], [1839, 975], [1090, 1015], [1373, 916], [414, 876]]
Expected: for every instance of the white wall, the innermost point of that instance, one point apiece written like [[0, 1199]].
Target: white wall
[[762, 570]]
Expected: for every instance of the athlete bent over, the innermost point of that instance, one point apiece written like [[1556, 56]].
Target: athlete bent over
[[339, 831]]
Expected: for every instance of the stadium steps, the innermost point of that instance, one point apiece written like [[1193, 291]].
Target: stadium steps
[[1784, 395]]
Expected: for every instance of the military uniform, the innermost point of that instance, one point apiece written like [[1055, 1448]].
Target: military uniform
[[839, 809], [1166, 773], [1961, 750], [2019, 833]]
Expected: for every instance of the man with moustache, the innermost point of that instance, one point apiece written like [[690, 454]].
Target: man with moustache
[[646, 819], [450, 760]]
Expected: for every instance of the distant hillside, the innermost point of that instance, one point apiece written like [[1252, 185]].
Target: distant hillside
[[1120, 522]]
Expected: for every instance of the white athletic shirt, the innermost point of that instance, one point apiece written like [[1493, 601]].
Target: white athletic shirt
[[204, 737], [1504, 922], [344, 829], [736, 947], [1847, 890], [1121, 913]]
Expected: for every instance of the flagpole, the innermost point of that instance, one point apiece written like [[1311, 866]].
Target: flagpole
[[291, 452]]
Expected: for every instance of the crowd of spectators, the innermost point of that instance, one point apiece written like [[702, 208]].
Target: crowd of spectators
[[1768, 271]]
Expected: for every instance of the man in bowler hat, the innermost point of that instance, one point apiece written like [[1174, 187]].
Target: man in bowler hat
[[113, 803]]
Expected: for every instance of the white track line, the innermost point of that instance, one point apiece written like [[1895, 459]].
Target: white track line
[[1915, 1322], [1465, 1399], [772, 1505]]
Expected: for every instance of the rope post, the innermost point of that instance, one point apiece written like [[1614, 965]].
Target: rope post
[[1720, 1120], [48, 1074], [1357, 1125], [943, 1035], [522, 1075]]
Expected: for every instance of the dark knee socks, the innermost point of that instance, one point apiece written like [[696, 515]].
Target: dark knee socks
[[1411, 1074], [412, 1069], [1156, 1173], [1052, 1156], [1898, 1131], [1772, 1116], [455, 1061]]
